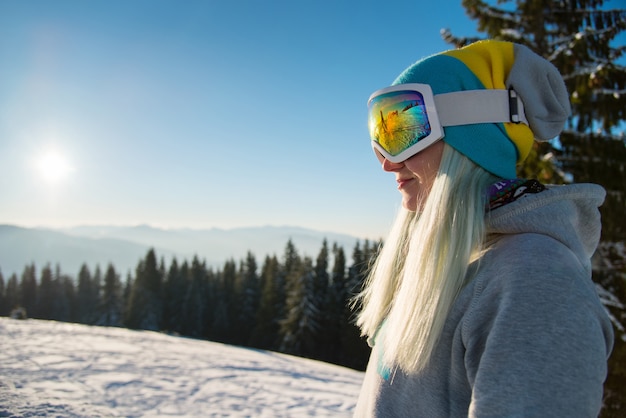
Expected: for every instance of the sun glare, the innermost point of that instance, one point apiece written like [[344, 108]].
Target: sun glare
[[53, 167]]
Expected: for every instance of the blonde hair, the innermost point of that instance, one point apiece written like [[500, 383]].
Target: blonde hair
[[424, 263]]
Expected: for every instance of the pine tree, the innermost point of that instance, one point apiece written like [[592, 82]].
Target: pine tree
[[96, 288], [338, 305], [247, 291], [197, 315], [579, 38], [128, 286], [224, 308], [112, 303], [46, 294], [322, 278], [290, 275], [265, 334], [12, 294], [145, 304], [184, 326], [325, 347], [301, 325], [87, 297], [52, 300], [28, 290], [66, 307], [174, 290]]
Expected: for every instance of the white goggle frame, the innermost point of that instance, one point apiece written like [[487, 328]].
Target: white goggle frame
[[453, 109]]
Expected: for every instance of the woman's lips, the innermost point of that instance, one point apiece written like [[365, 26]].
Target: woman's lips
[[403, 182]]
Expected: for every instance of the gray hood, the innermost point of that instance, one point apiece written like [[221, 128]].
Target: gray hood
[[568, 214]]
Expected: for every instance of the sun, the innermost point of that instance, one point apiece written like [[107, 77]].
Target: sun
[[53, 167]]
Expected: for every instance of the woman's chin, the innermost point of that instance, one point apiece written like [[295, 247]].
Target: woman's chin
[[409, 204]]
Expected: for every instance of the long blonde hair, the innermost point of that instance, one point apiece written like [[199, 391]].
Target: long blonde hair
[[424, 263]]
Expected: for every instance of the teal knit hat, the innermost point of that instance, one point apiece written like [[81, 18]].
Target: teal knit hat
[[497, 147]]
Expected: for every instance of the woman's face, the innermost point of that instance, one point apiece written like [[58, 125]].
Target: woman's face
[[415, 175]]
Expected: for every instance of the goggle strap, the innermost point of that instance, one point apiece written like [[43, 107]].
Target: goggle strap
[[479, 106]]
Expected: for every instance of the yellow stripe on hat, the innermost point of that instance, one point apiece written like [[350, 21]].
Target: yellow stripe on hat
[[491, 61]]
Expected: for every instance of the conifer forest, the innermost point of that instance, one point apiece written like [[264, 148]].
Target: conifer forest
[[292, 304]]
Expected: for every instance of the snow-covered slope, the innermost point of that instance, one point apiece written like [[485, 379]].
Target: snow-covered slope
[[68, 370]]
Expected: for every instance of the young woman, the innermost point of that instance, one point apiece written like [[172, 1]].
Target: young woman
[[481, 302]]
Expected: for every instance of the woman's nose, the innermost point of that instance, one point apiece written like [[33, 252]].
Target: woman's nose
[[389, 166]]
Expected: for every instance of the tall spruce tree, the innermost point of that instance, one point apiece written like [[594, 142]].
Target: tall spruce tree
[[580, 38], [87, 297], [338, 310], [265, 334], [225, 309], [288, 276], [325, 346], [128, 286], [112, 302], [96, 286], [46, 294], [184, 325], [174, 290], [247, 291], [28, 290], [301, 326], [52, 298], [144, 308], [198, 313], [12, 294], [67, 296], [211, 297]]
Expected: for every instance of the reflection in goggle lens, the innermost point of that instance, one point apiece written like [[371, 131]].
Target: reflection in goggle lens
[[398, 120]]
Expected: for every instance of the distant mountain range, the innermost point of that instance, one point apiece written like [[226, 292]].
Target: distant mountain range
[[70, 248]]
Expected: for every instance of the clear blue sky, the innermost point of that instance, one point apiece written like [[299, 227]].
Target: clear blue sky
[[203, 113]]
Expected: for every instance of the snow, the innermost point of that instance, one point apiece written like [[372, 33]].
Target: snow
[[57, 369]]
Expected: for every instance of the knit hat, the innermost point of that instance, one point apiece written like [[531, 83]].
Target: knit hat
[[497, 147]]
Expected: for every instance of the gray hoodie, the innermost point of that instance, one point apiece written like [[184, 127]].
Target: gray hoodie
[[528, 336]]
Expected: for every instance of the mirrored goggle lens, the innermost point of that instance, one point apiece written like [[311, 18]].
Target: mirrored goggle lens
[[398, 120]]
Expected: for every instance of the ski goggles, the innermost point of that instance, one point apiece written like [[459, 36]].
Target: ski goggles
[[407, 118]]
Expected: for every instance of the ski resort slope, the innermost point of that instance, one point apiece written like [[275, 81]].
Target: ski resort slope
[[55, 369]]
